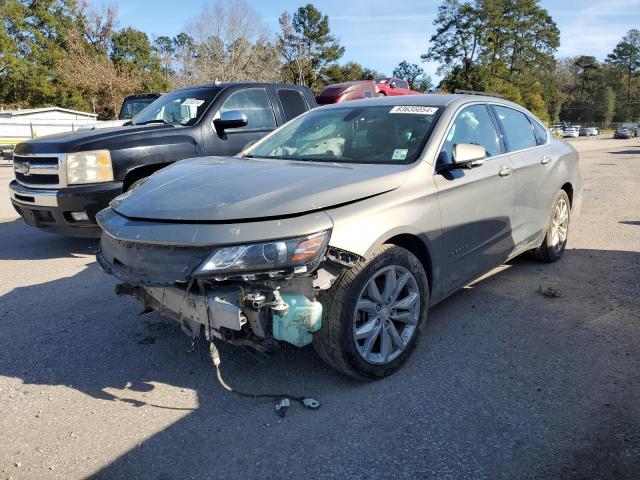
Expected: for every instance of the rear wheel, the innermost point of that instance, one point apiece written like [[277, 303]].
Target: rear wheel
[[373, 314], [555, 240]]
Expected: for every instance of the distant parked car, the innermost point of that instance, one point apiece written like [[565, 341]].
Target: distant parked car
[[592, 131], [571, 132], [583, 132], [134, 104], [623, 133], [392, 86], [342, 92], [131, 106]]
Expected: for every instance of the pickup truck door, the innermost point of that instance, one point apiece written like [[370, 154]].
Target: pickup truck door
[[401, 88], [258, 108], [476, 204]]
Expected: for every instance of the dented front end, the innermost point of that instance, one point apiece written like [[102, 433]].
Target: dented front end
[[254, 293]]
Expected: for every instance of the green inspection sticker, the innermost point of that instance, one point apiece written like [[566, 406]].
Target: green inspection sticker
[[400, 154]]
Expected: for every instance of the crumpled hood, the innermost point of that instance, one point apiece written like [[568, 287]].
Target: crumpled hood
[[214, 189]]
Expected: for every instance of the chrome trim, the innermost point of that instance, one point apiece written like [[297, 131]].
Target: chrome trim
[[41, 198], [41, 169]]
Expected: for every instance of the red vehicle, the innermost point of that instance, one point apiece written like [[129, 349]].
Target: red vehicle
[[356, 90], [341, 92], [393, 86]]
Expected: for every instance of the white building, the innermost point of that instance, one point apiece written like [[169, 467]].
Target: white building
[[21, 124]]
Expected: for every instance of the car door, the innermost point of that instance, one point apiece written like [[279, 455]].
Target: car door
[[476, 204], [532, 159], [256, 105]]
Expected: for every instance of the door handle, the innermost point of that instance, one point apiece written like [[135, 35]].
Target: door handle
[[545, 159], [504, 171]]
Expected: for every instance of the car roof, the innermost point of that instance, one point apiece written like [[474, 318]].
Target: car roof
[[238, 84], [427, 100]]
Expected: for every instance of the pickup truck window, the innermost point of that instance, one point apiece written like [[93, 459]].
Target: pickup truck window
[[182, 107], [255, 104], [292, 102]]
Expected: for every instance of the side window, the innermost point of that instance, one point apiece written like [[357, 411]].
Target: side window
[[293, 103], [402, 84], [539, 131], [473, 124], [254, 102], [517, 129]]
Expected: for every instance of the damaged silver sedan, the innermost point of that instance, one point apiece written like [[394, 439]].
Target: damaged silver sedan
[[345, 225]]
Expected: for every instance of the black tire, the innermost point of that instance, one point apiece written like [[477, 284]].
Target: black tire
[[335, 342], [136, 184], [546, 251]]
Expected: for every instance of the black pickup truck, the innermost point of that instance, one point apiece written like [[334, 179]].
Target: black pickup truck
[[63, 180]]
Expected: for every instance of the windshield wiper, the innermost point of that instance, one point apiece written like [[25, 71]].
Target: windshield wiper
[[157, 120]]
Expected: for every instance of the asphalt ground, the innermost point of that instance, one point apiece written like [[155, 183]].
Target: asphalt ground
[[532, 372]]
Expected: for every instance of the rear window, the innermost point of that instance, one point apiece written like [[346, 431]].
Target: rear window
[[292, 102], [517, 128]]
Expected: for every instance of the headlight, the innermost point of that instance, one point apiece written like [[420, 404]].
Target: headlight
[[89, 167], [295, 255]]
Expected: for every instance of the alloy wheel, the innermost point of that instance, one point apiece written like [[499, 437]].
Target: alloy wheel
[[386, 315], [559, 225]]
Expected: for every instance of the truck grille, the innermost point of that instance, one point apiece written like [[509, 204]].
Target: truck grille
[[39, 170]]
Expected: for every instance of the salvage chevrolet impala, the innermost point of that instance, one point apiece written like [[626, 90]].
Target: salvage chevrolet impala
[[345, 225]]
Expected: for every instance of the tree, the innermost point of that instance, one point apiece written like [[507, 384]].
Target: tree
[[500, 46], [336, 73], [93, 76], [456, 43], [322, 47], [626, 54], [293, 50], [32, 36], [230, 44], [408, 71]]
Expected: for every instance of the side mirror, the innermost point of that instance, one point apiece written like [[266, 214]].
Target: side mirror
[[468, 155], [230, 119]]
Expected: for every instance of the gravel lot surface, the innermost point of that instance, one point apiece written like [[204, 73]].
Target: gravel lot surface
[[533, 372]]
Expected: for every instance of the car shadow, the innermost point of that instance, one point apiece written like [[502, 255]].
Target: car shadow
[[505, 380], [24, 242], [626, 152], [630, 222]]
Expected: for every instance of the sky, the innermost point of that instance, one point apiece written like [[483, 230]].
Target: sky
[[379, 34]]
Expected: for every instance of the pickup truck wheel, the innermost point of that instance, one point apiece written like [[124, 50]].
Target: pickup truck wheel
[[380, 94], [373, 314], [555, 240]]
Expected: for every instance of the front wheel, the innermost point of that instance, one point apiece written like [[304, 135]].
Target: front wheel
[[555, 240], [373, 314]]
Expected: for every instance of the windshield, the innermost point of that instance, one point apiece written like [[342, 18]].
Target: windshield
[[183, 107], [382, 80], [375, 134], [133, 106]]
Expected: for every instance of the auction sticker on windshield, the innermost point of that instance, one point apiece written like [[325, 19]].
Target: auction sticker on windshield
[[193, 101], [413, 109], [400, 154]]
